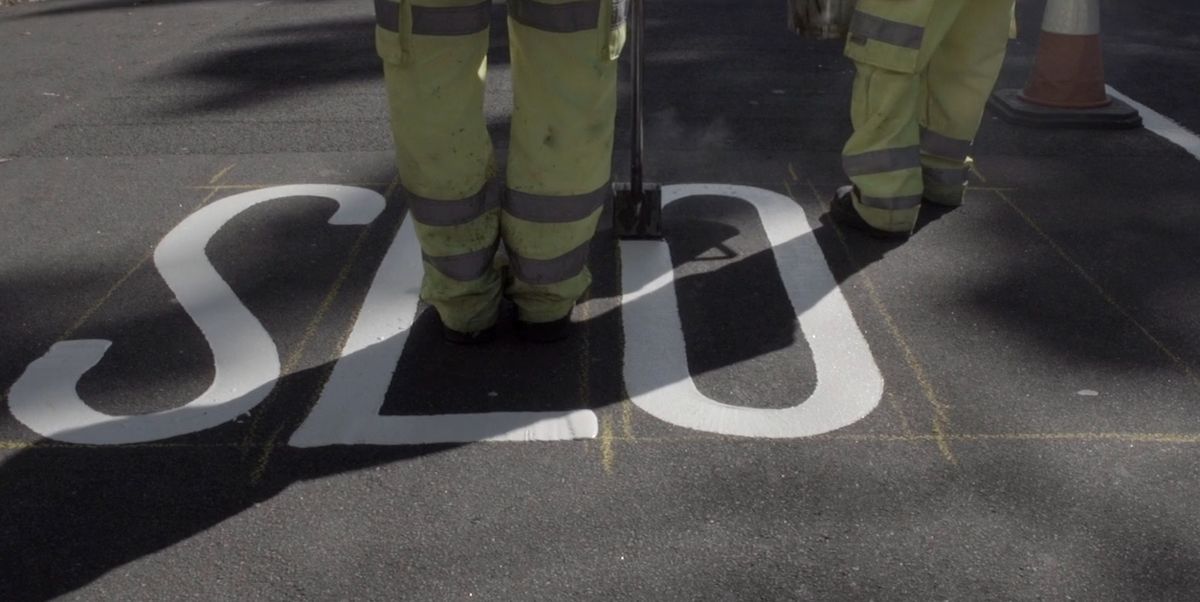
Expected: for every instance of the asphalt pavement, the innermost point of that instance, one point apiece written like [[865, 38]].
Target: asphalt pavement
[[218, 383]]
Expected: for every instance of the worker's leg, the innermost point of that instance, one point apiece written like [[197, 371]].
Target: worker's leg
[[564, 73], [959, 79], [434, 54], [883, 156]]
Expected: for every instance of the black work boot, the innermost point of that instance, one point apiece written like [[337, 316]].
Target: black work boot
[[842, 212], [545, 332], [478, 337]]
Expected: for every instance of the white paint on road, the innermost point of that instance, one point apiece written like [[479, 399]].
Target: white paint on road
[[348, 410], [849, 385], [1162, 125], [44, 398], [247, 364]]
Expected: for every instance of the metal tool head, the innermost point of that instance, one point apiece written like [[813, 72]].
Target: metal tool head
[[637, 214]]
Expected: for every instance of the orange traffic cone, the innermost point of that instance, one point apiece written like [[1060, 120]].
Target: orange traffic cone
[[1067, 88]]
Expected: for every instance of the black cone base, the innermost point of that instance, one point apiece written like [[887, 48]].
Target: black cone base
[[1010, 107]]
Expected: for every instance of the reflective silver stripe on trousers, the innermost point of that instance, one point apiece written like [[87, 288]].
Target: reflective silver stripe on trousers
[[546, 209], [451, 20], [467, 266], [620, 12], [882, 161], [891, 203], [549, 271], [886, 31], [945, 178], [387, 15], [933, 143], [431, 212], [436, 21], [556, 18]]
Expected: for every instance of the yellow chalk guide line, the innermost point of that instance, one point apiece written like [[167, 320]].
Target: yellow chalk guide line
[[310, 332], [941, 410], [99, 303], [1123, 438], [1178, 361]]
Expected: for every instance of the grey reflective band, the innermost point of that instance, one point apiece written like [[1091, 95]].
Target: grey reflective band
[[556, 18], [933, 143], [546, 209], [891, 203], [387, 15], [887, 31], [430, 212], [620, 11], [882, 161], [451, 20], [465, 267], [953, 177], [549, 271]]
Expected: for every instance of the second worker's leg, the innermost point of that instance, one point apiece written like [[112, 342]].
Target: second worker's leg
[[882, 157], [891, 44], [434, 54], [959, 79], [564, 73]]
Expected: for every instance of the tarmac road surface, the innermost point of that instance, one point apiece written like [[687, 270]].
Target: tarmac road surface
[[218, 382]]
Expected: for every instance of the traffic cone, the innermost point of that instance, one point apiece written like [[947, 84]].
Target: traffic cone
[[1066, 89]]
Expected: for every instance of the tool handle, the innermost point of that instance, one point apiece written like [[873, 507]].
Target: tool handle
[[636, 34]]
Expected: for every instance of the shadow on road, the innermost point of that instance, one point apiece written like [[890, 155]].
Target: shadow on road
[[74, 513]]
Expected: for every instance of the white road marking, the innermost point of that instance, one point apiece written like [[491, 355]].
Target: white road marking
[[348, 410], [849, 385], [247, 363], [1162, 125]]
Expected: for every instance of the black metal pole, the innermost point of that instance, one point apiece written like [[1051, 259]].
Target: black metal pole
[[635, 173], [637, 208]]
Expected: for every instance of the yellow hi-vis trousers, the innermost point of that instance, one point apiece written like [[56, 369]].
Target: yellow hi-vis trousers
[[564, 70], [925, 71]]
